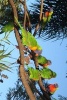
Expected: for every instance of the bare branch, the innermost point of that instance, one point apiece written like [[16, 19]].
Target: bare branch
[[36, 62], [36, 29], [41, 9], [27, 15], [32, 83], [40, 17], [24, 13], [41, 85], [43, 89]]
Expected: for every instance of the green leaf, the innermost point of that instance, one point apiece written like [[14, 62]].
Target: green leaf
[[4, 67], [5, 55], [7, 28], [2, 51]]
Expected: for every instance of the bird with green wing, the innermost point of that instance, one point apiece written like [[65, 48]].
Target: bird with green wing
[[29, 40], [47, 73], [46, 17], [42, 61]]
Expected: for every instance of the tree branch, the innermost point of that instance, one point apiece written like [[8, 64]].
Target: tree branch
[[41, 85], [41, 9], [21, 68], [27, 15], [24, 13], [40, 17], [37, 90], [43, 89]]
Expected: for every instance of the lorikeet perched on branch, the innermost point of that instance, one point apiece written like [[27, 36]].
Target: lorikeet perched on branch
[[34, 74], [44, 73], [46, 17], [29, 40], [51, 88], [43, 61], [47, 73], [7, 28]]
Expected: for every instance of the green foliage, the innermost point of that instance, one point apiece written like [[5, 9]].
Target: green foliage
[[6, 14], [2, 56], [4, 67], [5, 38], [7, 28], [17, 93]]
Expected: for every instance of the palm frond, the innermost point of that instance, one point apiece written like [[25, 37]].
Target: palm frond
[[4, 67]]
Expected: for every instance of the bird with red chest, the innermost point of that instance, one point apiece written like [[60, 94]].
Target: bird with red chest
[[46, 14], [51, 88], [46, 17]]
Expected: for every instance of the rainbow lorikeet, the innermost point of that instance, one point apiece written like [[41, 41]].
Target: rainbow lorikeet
[[7, 28], [34, 74], [51, 88], [29, 40], [43, 61], [47, 73], [44, 73], [46, 17]]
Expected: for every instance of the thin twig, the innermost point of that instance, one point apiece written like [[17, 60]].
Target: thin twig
[[37, 90], [43, 89], [41, 9], [27, 15], [41, 84], [40, 18], [24, 13]]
